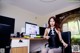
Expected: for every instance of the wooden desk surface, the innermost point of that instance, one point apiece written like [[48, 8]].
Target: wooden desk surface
[[31, 38], [75, 52], [37, 39]]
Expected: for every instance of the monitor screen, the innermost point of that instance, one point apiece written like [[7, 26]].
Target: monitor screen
[[31, 29], [42, 30], [7, 21], [5, 31]]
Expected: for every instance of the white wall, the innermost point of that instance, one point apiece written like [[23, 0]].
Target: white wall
[[44, 19], [68, 8], [21, 16]]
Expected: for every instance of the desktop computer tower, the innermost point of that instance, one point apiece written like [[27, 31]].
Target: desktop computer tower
[[5, 42]]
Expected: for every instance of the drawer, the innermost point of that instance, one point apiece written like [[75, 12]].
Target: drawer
[[17, 43]]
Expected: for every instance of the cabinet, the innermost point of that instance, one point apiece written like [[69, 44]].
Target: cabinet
[[19, 45], [26, 45], [19, 50]]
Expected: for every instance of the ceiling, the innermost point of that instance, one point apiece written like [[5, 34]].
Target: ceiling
[[41, 8]]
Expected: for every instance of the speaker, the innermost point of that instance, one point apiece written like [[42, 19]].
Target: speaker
[[18, 34]]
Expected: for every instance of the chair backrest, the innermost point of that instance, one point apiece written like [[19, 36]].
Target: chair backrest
[[66, 36]]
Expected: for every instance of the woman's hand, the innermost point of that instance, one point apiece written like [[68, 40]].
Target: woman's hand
[[47, 37], [65, 44]]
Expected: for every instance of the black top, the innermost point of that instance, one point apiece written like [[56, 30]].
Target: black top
[[53, 40]]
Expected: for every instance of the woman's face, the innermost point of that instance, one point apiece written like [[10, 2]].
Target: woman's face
[[52, 22]]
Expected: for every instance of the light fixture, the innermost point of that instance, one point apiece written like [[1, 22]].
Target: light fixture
[[47, 0]]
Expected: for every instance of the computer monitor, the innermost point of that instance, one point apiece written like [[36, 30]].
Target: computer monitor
[[42, 30], [7, 22], [31, 29]]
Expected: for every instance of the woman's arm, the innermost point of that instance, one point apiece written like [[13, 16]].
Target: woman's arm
[[60, 38], [46, 34]]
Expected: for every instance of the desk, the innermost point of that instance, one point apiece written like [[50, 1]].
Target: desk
[[27, 45], [75, 52]]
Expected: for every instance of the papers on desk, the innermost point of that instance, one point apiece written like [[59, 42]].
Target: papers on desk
[[33, 36]]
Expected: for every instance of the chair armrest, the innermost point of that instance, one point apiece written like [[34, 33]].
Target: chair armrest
[[46, 45]]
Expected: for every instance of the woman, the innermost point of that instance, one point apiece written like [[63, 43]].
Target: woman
[[51, 33]]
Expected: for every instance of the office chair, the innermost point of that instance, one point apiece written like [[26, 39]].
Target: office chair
[[66, 36]]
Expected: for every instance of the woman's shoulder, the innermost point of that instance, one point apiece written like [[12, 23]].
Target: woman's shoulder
[[47, 29]]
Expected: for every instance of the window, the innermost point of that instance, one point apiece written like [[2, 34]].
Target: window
[[73, 26], [79, 26]]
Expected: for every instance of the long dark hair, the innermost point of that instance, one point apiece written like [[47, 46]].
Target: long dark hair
[[56, 23]]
